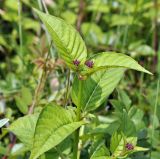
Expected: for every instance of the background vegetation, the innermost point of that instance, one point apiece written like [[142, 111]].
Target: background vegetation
[[130, 27]]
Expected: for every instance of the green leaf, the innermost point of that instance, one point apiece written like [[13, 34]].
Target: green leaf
[[63, 149], [112, 60], [100, 153], [24, 129], [51, 154], [18, 149], [133, 141], [91, 93], [126, 124], [21, 104], [117, 144], [3, 122], [118, 105], [105, 129], [24, 100], [137, 148], [3, 150], [66, 39], [124, 98], [54, 125], [26, 95]]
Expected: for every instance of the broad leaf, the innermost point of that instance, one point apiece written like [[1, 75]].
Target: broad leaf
[[54, 125], [105, 129], [24, 129], [121, 146], [3, 122], [23, 100], [26, 95], [124, 98], [100, 153], [64, 148], [133, 142], [126, 124], [66, 39], [91, 93], [21, 104], [117, 144], [112, 60], [118, 105]]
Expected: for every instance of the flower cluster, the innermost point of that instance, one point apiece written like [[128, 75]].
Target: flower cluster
[[89, 64], [129, 146], [76, 62]]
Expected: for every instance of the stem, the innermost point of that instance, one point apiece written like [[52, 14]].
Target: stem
[[67, 88], [60, 153], [81, 14], [155, 112], [13, 142], [92, 18], [127, 27], [81, 132], [155, 35], [45, 7], [141, 86], [20, 27], [76, 150], [40, 84], [41, 5]]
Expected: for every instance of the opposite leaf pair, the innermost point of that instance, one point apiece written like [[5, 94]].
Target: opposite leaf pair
[[72, 49], [104, 71]]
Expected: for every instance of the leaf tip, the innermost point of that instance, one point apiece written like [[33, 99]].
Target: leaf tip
[[148, 72]]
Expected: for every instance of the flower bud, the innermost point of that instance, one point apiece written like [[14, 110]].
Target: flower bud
[[129, 146], [89, 64], [76, 62]]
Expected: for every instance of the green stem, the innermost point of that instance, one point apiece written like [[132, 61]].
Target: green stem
[[155, 112], [41, 5], [141, 87], [127, 27], [45, 7], [76, 141], [60, 153], [76, 151], [93, 17], [20, 27], [67, 88]]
